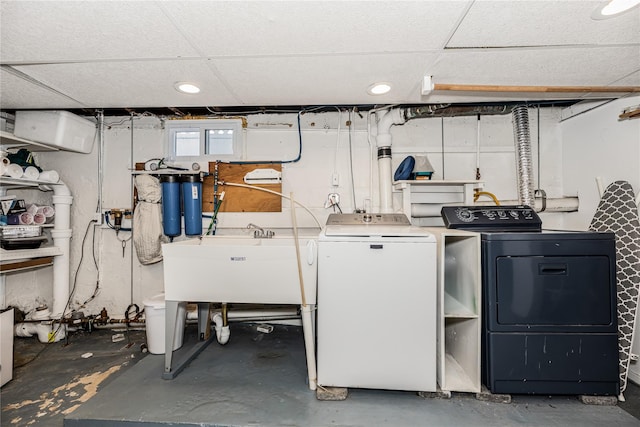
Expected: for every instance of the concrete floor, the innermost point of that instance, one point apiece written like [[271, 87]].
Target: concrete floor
[[255, 380]]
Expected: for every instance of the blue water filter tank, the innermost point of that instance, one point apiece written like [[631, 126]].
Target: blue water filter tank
[[171, 205], [192, 199]]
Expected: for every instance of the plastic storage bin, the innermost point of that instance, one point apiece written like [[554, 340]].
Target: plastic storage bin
[[155, 309], [6, 349], [61, 129]]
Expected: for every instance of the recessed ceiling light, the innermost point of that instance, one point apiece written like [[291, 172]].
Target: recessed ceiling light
[[613, 8], [185, 87], [379, 88]]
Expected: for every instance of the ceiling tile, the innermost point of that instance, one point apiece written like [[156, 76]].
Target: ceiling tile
[[133, 84], [315, 27], [18, 93], [338, 79], [491, 23], [87, 30], [531, 67]]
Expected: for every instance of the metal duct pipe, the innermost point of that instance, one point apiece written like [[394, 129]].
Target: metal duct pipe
[[447, 110], [524, 163]]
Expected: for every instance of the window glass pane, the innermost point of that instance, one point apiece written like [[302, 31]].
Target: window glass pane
[[219, 141], [187, 143]]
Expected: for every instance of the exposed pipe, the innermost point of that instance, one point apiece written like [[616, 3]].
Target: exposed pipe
[[386, 119], [447, 110], [562, 204], [222, 330], [399, 116], [61, 235], [524, 163]]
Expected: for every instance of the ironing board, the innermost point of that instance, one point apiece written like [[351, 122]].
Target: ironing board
[[618, 213]]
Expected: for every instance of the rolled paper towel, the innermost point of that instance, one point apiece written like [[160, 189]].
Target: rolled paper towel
[[47, 211], [14, 171], [32, 209], [31, 172], [49, 176], [26, 218], [39, 219]]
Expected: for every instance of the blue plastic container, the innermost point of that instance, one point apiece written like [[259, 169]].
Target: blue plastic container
[[171, 205], [192, 202]]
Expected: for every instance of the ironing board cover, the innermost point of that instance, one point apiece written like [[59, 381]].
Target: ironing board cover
[[618, 213]]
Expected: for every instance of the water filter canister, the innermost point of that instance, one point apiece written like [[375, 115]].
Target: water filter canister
[[192, 199], [170, 205]]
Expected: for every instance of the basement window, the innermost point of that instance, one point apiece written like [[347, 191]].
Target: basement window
[[205, 140]]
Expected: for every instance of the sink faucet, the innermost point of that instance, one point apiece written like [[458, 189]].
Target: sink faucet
[[259, 232]]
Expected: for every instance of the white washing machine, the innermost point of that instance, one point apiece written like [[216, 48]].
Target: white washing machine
[[376, 324]]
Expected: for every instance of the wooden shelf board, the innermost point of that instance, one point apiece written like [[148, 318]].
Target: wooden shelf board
[[454, 308], [455, 377]]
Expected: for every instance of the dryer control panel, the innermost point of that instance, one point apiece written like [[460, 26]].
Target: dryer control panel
[[491, 218]]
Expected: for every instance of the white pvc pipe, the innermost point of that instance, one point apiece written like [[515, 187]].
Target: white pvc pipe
[[222, 332], [561, 204], [61, 235], [309, 344], [386, 119]]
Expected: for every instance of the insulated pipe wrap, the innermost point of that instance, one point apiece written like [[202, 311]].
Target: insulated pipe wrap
[[524, 163]]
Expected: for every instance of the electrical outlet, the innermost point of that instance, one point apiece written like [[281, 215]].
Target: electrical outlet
[[97, 217]]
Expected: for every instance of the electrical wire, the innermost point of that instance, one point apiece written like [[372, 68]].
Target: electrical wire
[[442, 141], [75, 282], [335, 160], [353, 182]]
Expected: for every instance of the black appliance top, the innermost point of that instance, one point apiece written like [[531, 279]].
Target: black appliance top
[[491, 218], [547, 235]]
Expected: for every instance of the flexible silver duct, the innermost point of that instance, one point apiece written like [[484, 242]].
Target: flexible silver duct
[[524, 163]]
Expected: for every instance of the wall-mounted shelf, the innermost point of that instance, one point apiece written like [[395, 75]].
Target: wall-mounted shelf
[[166, 172], [9, 141], [8, 182], [459, 305], [23, 259]]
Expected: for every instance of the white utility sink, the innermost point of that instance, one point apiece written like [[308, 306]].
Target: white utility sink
[[240, 269]]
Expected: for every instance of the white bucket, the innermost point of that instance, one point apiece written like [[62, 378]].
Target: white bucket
[[155, 309]]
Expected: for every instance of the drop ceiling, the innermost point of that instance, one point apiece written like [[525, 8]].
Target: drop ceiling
[[129, 54]]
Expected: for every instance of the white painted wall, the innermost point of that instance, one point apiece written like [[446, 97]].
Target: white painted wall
[[123, 280], [597, 144]]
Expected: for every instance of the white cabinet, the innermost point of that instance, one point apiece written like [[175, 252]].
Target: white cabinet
[[459, 310], [423, 199]]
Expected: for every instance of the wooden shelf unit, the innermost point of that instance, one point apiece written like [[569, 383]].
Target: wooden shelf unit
[[459, 310]]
